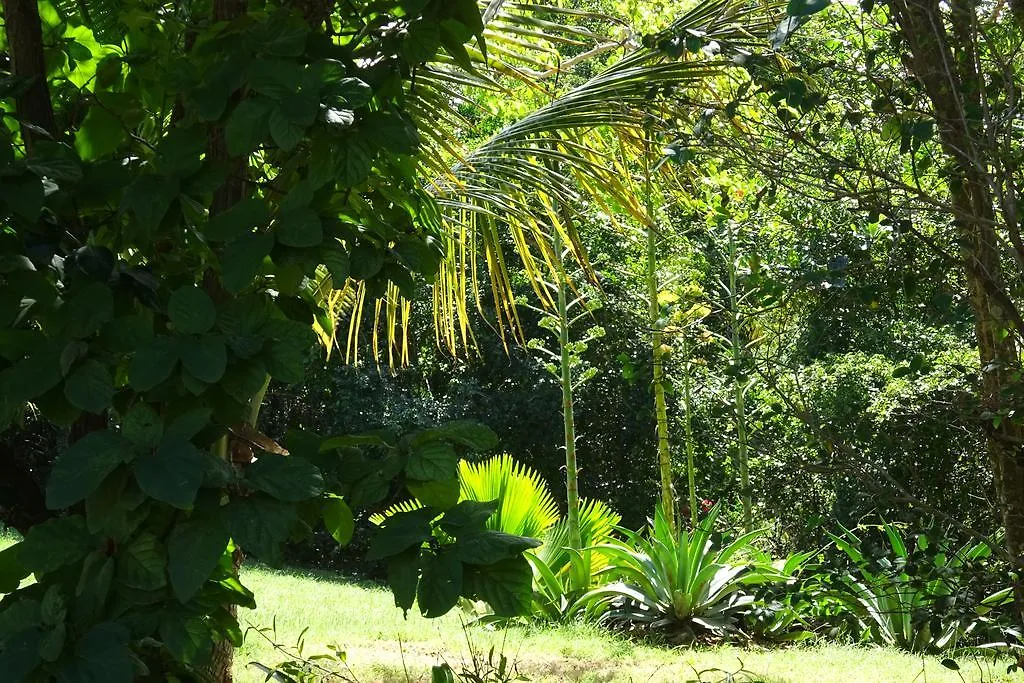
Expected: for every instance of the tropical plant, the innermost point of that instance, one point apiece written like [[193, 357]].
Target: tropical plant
[[525, 504], [694, 582], [562, 574], [917, 596], [783, 609]]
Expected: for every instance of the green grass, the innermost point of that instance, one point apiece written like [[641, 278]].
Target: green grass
[[381, 646]]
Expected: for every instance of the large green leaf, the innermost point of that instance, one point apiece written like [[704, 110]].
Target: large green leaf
[[153, 363], [55, 543], [259, 525], [83, 466], [102, 654], [90, 387], [205, 357], [432, 461], [285, 478], [173, 473], [194, 549], [506, 586], [489, 547], [142, 563], [242, 259], [404, 576], [191, 310], [239, 220], [338, 520], [440, 584], [401, 532]]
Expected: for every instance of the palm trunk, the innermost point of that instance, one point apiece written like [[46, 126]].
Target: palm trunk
[[668, 499], [572, 493]]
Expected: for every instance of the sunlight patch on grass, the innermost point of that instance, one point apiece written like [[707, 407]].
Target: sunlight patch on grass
[[382, 646]]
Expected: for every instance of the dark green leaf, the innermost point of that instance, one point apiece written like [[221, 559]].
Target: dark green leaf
[[285, 478], [336, 260], [205, 357], [54, 543], [102, 654], [194, 550], [506, 586], [191, 310], [259, 525], [188, 639], [83, 467], [90, 387], [403, 576], [300, 227], [247, 126], [100, 134], [422, 41], [242, 259], [437, 494], [367, 260], [472, 435], [468, 515], [400, 532], [432, 461], [803, 8], [143, 426], [89, 309], [142, 563], [153, 363], [353, 161], [488, 547], [173, 473], [285, 133], [440, 584], [239, 220]]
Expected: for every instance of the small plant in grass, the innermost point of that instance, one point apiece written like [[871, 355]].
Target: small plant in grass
[[782, 611], [693, 582], [921, 595], [562, 575]]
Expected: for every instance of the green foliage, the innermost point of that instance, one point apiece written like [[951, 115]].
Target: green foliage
[[525, 505], [917, 595], [688, 581], [166, 250]]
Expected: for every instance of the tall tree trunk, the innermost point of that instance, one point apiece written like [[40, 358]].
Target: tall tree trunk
[[946, 66], [25, 40], [668, 498]]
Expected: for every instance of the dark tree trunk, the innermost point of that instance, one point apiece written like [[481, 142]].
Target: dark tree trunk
[[25, 40]]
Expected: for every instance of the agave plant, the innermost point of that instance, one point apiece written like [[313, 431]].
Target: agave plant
[[916, 598], [691, 581]]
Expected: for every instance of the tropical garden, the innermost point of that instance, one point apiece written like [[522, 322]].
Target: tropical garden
[[480, 341]]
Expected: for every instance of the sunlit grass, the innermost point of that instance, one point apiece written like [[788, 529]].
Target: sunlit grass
[[383, 647]]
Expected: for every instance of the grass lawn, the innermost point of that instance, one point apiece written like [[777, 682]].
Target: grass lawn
[[383, 647]]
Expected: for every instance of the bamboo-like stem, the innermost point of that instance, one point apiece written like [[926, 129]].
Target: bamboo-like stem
[[660, 409], [739, 384], [572, 492], [688, 427]]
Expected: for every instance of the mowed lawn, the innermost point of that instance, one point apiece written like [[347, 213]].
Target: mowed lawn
[[381, 646]]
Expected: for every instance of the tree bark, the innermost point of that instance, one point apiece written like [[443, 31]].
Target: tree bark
[[946, 66], [25, 40]]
